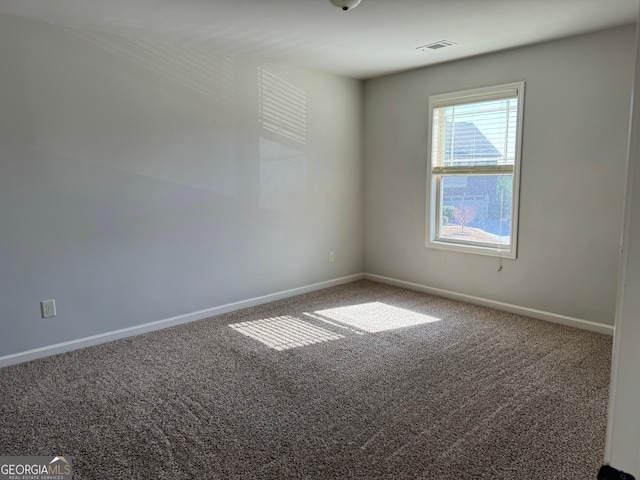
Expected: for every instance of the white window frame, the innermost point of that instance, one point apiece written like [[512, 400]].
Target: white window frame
[[435, 173]]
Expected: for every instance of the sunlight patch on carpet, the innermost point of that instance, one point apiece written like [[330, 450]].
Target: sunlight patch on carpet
[[376, 316], [333, 323], [282, 333]]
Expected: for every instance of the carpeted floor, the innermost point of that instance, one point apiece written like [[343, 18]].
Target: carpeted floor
[[361, 381]]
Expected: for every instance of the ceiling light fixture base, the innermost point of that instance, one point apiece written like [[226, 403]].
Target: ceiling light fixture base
[[345, 4]]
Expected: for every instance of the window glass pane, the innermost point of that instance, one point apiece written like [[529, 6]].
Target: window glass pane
[[476, 208], [482, 133]]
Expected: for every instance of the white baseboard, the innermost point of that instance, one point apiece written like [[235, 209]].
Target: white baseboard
[[507, 307], [202, 314], [167, 322]]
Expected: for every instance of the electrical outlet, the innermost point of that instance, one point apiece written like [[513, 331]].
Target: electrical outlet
[[48, 308], [332, 257]]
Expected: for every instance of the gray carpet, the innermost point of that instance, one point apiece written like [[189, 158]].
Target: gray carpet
[[359, 381]]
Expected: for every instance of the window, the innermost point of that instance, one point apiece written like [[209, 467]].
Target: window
[[473, 173]]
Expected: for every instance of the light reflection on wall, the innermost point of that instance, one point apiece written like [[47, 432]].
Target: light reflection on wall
[[282, 108], [283, 176], [283, 161]]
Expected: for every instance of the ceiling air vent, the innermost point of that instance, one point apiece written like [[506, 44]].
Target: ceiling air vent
[[436, 45]]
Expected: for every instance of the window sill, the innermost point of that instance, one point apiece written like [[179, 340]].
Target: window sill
[[473, 249]]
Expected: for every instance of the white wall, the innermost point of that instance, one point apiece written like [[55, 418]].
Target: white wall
[[576, 117], [137, 182], [623, 433]]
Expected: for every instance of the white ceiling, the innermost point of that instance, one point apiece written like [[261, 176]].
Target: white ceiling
[[376, 38]]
